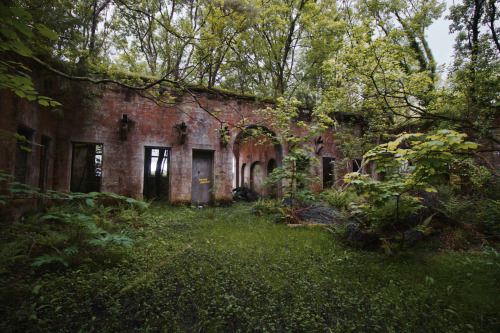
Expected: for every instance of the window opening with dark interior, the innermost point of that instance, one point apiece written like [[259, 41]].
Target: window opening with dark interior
[[86, 167], [271, 165], [356, 165], [156, 172]]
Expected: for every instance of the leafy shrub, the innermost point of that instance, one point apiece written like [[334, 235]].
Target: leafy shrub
[[487, 216], [480, 212], [384, 217], [78, 229], [131, 213], [303, 195], [455, 208], [455, 239], [492, 259], [410, 163]]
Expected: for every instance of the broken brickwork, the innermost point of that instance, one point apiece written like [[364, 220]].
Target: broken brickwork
[[126, 144]]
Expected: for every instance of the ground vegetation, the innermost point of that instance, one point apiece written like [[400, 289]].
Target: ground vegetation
[[226, 269]]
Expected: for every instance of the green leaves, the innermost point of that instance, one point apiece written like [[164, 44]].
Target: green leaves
[[45, 31], [49, 259], [14, 20], [105, 239], [65, 233], [409, 163]]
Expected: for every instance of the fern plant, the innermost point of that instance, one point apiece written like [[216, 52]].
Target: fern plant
[[455, 208], [78, 230], [266, 206], [339, 198], [488, 216]]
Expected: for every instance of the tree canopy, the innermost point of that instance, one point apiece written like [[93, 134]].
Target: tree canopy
[[368, 58]]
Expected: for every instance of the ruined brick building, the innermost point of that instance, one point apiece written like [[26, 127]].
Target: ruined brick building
[[120, 142]]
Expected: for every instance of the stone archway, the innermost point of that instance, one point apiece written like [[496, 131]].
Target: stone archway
[[254, 148]]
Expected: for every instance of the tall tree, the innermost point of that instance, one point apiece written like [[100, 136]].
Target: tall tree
[[280, 30], [80, 26], [474, 93], [155, 36], [383, 71], [223, 22]]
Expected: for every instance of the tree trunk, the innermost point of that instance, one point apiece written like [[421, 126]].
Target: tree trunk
[[158, 172]]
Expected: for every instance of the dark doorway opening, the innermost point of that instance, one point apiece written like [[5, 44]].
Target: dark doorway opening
[[86, 167], [271, 165], [242, 182], [156, 172], [328, 172]]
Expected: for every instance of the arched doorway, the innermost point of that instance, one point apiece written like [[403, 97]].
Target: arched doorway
[[271, 165], [256, 153]]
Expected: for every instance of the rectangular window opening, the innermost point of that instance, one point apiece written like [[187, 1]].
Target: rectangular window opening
[[86, 167], [356, 165], [44, 164]]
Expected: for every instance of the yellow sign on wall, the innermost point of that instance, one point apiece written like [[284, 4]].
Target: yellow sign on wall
[[204, 181]]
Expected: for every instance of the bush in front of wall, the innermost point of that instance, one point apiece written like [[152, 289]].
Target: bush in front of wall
[[411, 163], [77, 230]]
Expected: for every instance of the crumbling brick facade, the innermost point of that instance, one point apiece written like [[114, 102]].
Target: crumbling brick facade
[[114, 145]]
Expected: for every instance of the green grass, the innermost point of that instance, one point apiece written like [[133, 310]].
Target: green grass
[[227, 270]]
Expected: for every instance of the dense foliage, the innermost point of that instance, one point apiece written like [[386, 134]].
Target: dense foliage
[[405, 171]]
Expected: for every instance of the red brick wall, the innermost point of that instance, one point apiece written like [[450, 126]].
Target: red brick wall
[[40, 121], [149, 126]]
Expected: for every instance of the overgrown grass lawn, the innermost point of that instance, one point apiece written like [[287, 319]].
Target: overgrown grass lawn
[[226, 270]]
